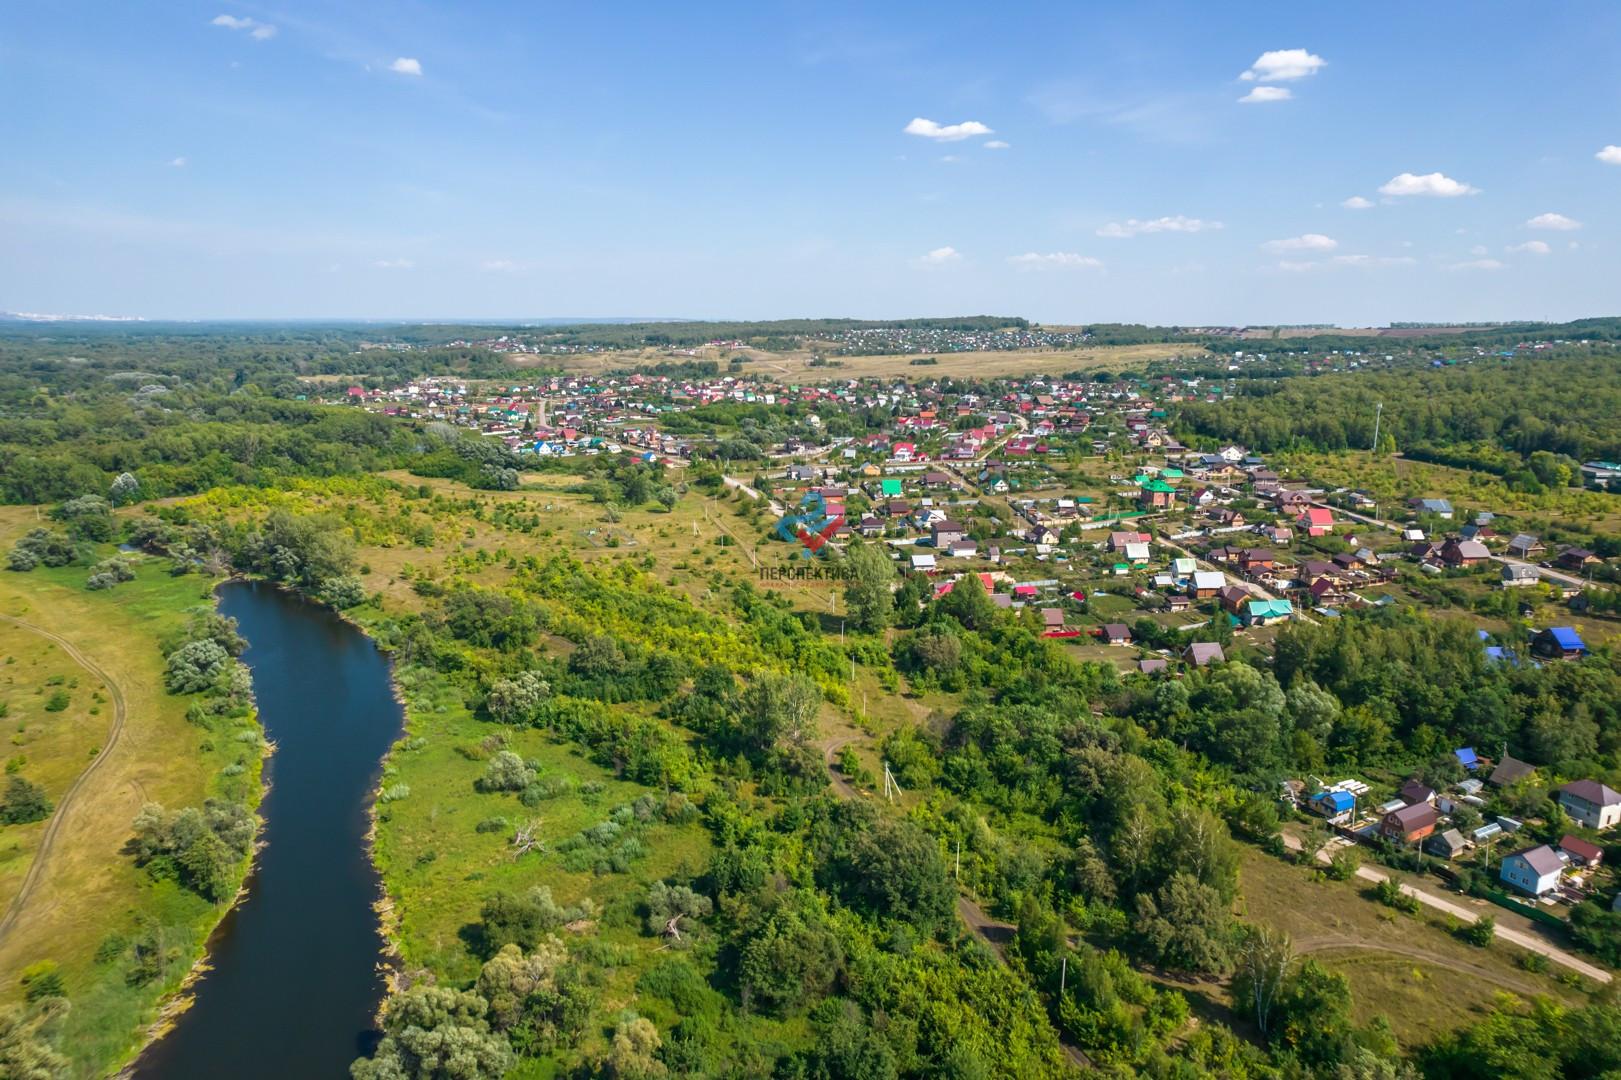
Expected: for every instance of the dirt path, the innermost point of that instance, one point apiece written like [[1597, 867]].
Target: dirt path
[[1330, 942], [36, 869], [748, 551], [830, 752], [1527, 941]]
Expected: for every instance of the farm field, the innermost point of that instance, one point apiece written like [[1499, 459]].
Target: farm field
[[795, 367]]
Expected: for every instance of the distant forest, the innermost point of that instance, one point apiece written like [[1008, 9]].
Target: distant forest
[[1507, 334], [1492, 417]]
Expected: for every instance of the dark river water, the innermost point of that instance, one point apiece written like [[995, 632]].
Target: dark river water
[[294, 986]]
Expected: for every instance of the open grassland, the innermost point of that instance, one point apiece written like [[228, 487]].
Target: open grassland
[[795, 366], [1407, 967], [90, 901], [975, 365], [56, 718]]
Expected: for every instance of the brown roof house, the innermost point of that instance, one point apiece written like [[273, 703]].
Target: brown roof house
[[1409, 824], [1510, 770]]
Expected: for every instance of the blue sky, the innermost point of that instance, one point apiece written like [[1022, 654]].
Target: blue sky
[[1067, 162]]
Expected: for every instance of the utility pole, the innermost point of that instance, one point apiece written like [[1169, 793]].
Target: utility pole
[[956, 873], [1063, 972], [1378, 412]]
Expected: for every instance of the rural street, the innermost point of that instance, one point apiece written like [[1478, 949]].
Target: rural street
[[1529, 942], [1542, 571]]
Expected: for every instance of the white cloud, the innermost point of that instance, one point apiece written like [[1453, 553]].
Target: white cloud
[[1610, 155], [1478, 249], [1363, 262], [950, 159], [406, 65], [1031, 260], [928, 129], [996, 144], [1373, 260], [1261, 95], [1283, 65], [1557, 222], [500, 266], [1308, 242], [941, 256], [178, 163], [1530, 247], [1436, 184], [1477, 264], [393, 264], [1177, 223], [1357, 202], [257, 30]]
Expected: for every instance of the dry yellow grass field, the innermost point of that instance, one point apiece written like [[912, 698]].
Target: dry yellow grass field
[[87, 887]]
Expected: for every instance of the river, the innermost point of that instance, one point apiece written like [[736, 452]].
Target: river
[[294, 983]]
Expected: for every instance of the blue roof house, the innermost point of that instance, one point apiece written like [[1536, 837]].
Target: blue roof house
[[1331, 804], [1559, 643]]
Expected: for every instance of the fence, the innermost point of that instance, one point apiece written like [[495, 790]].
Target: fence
[[1503, 899]]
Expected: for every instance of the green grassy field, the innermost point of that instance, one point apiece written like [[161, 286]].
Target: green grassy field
[[90, 896], [1407, 967]]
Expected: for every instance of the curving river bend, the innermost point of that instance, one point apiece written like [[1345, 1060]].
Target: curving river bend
[[294, 984]]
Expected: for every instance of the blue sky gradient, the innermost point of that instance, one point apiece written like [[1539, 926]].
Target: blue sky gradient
[[487, 160]]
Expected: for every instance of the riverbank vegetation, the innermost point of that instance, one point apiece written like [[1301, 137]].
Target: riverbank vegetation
[[120, 938]]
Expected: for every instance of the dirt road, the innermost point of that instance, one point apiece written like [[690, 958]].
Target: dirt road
[[1529, 942], [36, 869]]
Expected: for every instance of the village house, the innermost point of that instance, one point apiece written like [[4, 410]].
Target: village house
[[1447, 845], [1156, 494], [1206, 583], [1204, 653], [1576, 559], [1415, 791], [1267, 612], [1409, 824], [1457, 552], [1253, 560], [1582, 853], [1441, 508], [1509, 771], [1115, 634], [1519, 575], [1535, 871], [1233, 597], [1315, 521], [1525, 546], [945, 533], [1558, 643], [1595, 805]]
